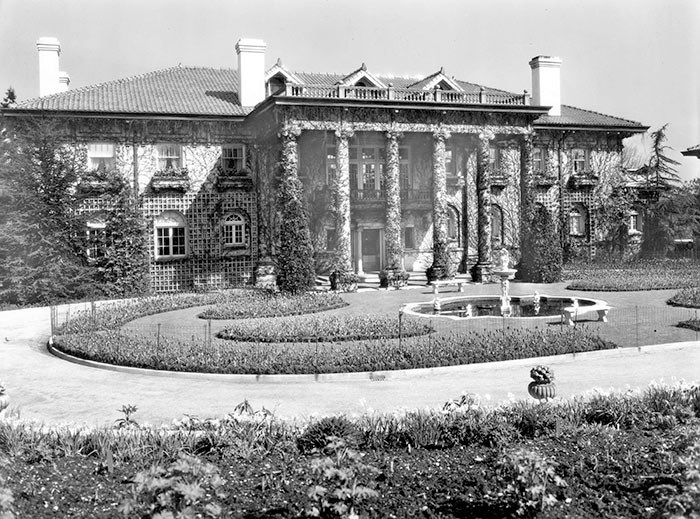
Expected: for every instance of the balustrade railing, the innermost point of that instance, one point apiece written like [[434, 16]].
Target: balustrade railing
[[373, 195], [406, 94]]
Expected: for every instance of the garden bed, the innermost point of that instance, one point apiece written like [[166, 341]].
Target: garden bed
[[632, 455], [636, 275], [260, 304], [689, 298], [218, 356], [324, 329]]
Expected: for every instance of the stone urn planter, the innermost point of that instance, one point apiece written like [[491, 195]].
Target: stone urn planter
[[542, 386]]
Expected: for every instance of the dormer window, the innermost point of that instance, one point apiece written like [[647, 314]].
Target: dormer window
[[276, 85]]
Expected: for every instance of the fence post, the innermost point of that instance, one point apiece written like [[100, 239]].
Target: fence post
[[400, 326], [92, 313], [52, 319], [636, 324], [209, 331]]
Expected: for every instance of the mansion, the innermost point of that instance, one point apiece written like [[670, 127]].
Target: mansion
[[391, 167]]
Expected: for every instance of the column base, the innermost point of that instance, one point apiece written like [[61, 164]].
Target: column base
[[481, 272]]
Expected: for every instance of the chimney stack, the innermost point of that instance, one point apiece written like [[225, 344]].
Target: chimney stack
[[63, 81], [251, 71], [546, 83], [49, 51]]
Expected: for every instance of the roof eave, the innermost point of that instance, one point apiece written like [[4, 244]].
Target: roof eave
[[592, 127], [15, 112]]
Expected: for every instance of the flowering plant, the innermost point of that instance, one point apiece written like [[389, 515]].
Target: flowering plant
[[542, 374]]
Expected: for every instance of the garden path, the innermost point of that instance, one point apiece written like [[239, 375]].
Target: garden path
[[47, 389]]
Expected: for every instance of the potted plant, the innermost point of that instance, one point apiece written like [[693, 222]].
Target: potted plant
[[542, 386]]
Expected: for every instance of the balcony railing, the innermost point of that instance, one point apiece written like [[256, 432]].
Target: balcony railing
[[406, 94], [374, 195]]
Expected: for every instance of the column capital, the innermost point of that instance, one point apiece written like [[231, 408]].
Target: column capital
[[344, 132], [486, 135], [290, 131], [441, 133], [394, 134]]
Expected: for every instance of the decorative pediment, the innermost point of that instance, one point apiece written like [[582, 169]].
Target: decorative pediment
[[437, 80], [279, 71], [361, 77]]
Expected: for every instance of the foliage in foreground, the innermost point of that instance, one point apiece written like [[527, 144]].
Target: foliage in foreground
[[640, 449], [324, 329], [174, 354], [636, 275]]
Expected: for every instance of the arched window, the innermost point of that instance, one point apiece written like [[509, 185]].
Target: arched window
[[234, 231], [496, 225], [453, 234], [170, 235], [577, 221]]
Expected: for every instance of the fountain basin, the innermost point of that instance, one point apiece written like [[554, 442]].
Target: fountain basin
[[521, 307]]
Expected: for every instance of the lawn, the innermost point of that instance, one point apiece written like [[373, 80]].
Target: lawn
[[634, 275]]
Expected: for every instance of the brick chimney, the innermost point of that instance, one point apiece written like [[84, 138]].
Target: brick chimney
[[251, 71], [49, 51], [546, 82]]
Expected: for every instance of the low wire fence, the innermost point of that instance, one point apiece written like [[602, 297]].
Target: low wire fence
[[629, 326]]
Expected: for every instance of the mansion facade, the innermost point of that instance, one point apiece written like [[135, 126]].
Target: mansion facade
[[392, 167]]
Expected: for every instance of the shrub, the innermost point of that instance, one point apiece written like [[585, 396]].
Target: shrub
[[343, 281], [637, 275], [394, 277], [688, 297], [327, 430], [541, 259], [186, 487], [295, 258]]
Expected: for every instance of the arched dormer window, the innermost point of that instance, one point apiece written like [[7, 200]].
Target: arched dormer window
[[170, 235], [234, 230], [496, 224]]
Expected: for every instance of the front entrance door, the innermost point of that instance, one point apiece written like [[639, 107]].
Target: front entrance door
[[371, 250]]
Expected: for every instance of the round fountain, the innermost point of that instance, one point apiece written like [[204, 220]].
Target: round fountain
[[537, 305]]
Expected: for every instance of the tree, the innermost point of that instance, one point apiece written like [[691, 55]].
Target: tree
[[41, 244], [10, 98], [541, 260]]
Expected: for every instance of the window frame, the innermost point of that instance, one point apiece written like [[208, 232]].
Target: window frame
[[96, 237], [242, 159], [577, 213], [106, 162], [409, 230], [232, 228], [172, 239], [162, 156], [538, 163], [579, 156]]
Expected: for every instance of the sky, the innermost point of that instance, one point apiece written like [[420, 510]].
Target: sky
[[636, 59]]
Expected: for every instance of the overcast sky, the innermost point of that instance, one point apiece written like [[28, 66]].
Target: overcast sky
[[636, 59]]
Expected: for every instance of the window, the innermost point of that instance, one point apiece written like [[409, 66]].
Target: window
[[496, 225], [579, 160], [538, 160], [170, 235], [577, 221], [234, 231], [635, 222], [331, 239], [233, 159], [276, 85], [330, 165], [409, 237], [452, 224], [169, 156], [96, 236], [404, 170], [493, 158], [449, 161], [101, 157]]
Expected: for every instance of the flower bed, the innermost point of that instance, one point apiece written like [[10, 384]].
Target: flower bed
[[324, 329], [237, 303], [637, 275], [217, 356], [689, 297], [265, 304]]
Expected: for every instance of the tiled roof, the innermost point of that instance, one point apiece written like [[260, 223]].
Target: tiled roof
[[213, 92], [571, 116], [176, 90]]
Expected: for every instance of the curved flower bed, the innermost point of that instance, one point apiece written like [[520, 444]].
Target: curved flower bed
[[166, 353], [264, 304], [689, 298], [327, 328]]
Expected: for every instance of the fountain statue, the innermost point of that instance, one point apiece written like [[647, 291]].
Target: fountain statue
[[505, 273]]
